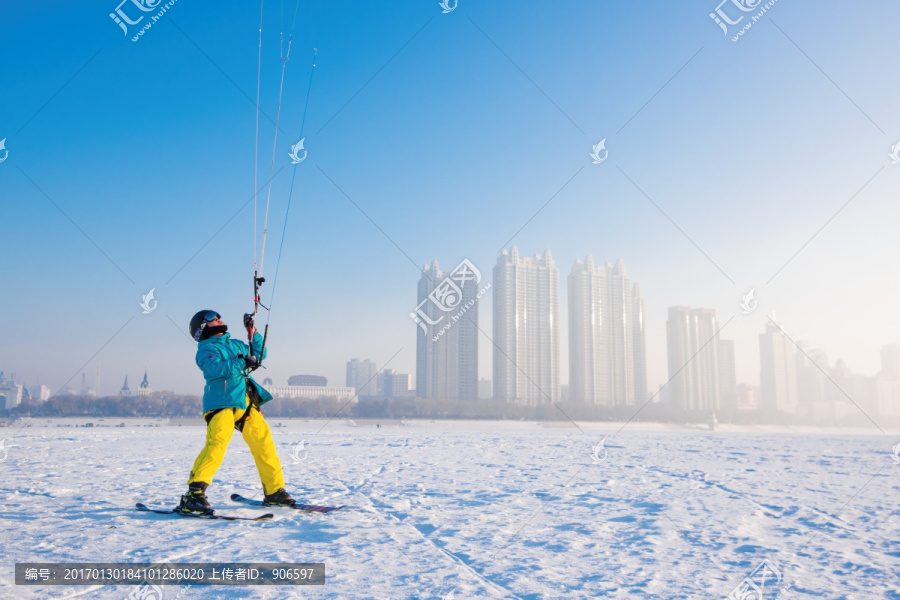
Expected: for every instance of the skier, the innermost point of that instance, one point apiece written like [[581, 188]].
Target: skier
[[231, 400]]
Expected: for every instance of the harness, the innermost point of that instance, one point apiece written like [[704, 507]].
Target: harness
[[255, 402]]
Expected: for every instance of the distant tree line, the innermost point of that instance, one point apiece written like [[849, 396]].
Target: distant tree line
[[178, 406], [109, 406]]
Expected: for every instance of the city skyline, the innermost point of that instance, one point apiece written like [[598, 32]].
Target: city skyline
[[778, 387], [799, 381]]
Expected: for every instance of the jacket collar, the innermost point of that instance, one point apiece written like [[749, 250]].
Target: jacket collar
[[219, 339]]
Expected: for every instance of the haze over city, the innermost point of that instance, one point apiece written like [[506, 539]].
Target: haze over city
[[747, 170]]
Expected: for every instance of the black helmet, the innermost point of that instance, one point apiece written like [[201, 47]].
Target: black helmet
[[199, 321]]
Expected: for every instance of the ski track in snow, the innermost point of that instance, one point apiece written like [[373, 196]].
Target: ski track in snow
[[470, 510]]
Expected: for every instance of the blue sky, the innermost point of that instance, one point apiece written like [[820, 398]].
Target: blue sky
[[454, 144]]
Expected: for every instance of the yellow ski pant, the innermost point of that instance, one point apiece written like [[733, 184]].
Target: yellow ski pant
[[258, 436]]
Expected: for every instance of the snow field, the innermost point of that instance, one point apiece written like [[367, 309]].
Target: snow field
[[471, 509]]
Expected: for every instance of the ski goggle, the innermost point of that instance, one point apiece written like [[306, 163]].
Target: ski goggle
[[208, 316]]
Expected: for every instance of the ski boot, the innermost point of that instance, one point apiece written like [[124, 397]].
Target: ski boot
[[279, 498], [195, 500]]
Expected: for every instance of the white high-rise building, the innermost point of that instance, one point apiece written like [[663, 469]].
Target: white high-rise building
[[693, 356], [813, 386], [778, 371], [727, 376], [394, 385], [447, 333], [607, 360], [639, 336], [10, 393], [526, 328], [361, 376]]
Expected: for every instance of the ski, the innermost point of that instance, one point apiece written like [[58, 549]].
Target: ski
[[308, 508], [172, 511]]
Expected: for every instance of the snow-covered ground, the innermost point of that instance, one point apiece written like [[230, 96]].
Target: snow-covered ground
[[471, 509]]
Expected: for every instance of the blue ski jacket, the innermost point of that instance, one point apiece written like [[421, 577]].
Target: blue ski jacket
[[226, 385]]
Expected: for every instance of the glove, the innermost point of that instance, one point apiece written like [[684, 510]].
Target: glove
[[251, 362], [248, 322]]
